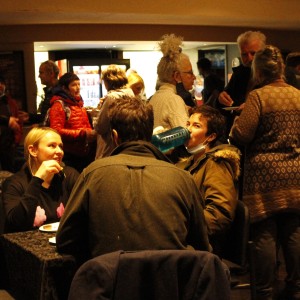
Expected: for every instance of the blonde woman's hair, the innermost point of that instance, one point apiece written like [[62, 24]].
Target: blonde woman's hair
[[249, 36], [170, 46], [114, 77], [268, 65], [33, 138]]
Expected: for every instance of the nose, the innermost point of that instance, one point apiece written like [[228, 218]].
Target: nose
[[59, 150]]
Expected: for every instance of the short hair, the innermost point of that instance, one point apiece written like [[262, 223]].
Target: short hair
[[66, 79], [293, 59], [250, 36], [170, 46], [204, 63], [215, 121], [114, 77], [51, 66], [132, 118], [268, 65]]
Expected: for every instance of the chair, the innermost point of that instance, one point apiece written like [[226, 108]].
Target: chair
[[152, 274], [238, 249]]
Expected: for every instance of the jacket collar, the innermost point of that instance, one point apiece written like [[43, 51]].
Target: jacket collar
[[140, 148]]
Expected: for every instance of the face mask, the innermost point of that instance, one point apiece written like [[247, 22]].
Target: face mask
[[197, 149]]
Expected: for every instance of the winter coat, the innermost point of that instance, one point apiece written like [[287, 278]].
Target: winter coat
[[71, 121], [216, 173]]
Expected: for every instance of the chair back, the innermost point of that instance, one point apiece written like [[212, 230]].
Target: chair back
[[152, 274]]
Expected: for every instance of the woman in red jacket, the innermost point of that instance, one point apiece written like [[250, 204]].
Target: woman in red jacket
[[68, 116]]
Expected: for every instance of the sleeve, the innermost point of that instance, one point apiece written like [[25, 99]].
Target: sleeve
[[197, 235], [15, 113], [220, 195], [57, 122], [177, 112], [72, 234], [244, 126], [20, 203], [103, 125]]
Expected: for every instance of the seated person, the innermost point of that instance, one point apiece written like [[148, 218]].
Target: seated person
[[38, 193], [215, 168], [134, 199]]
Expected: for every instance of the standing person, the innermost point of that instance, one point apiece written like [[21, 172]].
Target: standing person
[[48, 73], [116, 84], [235, 92], [174, 67], [121, 203], [215, 168], [292, 69], [38, 193], [136, 83], [68, 116], [10, 128], [269, 127], [213, 85]]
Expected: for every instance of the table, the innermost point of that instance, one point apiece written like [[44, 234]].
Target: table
[[33, 267]]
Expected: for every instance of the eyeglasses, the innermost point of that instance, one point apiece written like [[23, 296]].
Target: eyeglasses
[[188, 72]]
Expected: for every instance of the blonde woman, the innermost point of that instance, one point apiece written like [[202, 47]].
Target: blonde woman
[[116, 84], [136, 83], [38, 193]]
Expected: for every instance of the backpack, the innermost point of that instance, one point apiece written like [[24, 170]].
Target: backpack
[[67, 111]]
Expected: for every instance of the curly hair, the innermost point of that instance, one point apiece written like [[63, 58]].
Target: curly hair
[[268, 65], [170, 46], [114, 77]]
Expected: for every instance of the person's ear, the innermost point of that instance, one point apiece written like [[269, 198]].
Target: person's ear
[[212, 137], [32, 150], [177, 77], [115, 136]]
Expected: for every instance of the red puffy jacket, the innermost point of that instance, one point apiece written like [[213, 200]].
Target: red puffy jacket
[[72, 123]]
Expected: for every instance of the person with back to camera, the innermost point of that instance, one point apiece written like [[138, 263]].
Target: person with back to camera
[[10, 129], [269, 127], [121, 203], [68, 116], [240, 83], [136, 83], [38, 193], [116, 84], [212, 85], [215, 168]]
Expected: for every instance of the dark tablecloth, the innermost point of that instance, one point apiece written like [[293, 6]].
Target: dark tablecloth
[[34, 270]]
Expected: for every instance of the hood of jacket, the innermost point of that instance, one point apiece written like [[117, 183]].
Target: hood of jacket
[[225, 152]]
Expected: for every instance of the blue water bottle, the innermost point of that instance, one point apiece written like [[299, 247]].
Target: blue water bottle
[[170, 139]]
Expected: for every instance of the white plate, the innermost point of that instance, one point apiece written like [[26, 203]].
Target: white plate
[[231, 108], [52, 227], [52, 240]]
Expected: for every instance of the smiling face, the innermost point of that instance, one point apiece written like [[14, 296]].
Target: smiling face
[[49, 147]]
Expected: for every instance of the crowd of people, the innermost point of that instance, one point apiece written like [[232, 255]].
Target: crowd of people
[[111, 188]]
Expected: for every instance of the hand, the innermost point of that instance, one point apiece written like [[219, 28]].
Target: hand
[[47, 170], [91, 135], [24, 116], [13, 123], [225, 99], [241, 107]]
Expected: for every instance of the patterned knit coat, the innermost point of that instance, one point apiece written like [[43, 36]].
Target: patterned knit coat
[[269, 126]]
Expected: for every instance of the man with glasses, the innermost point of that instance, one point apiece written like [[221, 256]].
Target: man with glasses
[[240, 83]]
